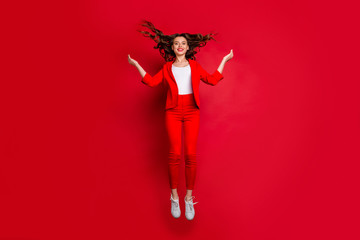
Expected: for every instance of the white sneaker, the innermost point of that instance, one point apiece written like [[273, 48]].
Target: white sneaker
[[189, 208], [175, 207]]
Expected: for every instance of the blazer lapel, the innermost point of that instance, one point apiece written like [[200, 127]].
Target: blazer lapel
[[193, 72], [169, 65]]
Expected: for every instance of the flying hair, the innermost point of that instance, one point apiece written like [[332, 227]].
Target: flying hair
[[164, 42]]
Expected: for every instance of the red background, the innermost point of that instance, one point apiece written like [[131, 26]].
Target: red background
[[83, 144]]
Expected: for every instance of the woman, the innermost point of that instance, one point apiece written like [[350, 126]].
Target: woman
[[181, 74]]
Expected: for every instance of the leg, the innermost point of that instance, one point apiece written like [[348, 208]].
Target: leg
[[173, 126], [191, 132]]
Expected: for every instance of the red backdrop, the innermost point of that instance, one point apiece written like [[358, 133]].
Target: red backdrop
[[83, 143]]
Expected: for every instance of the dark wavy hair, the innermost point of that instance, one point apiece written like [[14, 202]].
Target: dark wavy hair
[[164, 42]]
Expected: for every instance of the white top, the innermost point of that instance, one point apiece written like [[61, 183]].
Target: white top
[[183, 79]]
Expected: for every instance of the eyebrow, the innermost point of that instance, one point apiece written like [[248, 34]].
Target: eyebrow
[[179, 41]]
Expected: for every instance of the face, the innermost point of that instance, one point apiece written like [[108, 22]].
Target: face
[[180, 46]]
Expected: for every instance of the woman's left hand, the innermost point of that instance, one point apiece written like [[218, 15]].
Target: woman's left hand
[[229, 56]]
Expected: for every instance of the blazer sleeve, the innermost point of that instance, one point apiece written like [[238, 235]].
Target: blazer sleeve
[[211, 79], [155, 80]]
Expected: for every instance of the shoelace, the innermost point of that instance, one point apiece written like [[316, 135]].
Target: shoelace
[[176, 203], [191, 203]]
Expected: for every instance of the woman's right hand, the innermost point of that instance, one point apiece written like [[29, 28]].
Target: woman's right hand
[[132, 61]]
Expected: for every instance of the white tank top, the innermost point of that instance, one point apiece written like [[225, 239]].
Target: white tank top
[[183, 79]]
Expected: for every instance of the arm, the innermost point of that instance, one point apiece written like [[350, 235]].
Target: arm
[[211, 79], [225, 59], [214, 78], [152, 81], [221, 66], [146, 77]]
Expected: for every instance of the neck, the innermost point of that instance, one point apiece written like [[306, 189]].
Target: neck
[[180, 59]]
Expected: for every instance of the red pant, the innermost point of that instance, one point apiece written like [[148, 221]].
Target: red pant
[[188, 115]]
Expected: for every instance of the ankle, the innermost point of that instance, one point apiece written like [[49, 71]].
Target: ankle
[[187, 198], [175, 196]]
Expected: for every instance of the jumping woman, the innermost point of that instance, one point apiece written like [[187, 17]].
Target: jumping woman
[[181, 74]]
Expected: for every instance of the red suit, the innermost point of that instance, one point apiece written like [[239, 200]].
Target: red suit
[[182, 110]]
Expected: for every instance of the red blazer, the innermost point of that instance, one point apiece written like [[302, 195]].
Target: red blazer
[[166, 77]]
